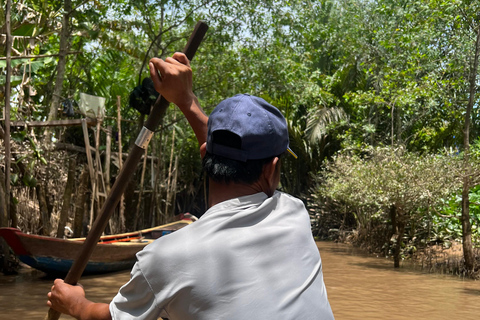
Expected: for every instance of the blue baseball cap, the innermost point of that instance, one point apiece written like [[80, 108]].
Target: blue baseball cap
[[260, 129]]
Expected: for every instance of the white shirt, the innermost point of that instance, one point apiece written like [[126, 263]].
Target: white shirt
[[251, 257]]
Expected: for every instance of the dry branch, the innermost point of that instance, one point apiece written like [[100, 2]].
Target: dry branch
[[40, 55]]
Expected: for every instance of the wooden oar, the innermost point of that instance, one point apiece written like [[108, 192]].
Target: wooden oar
[[126, 173]]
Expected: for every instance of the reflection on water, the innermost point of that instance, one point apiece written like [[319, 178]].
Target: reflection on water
[[359, 287]]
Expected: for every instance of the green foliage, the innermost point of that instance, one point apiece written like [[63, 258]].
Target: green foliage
[[347, 74], [446, 223], [386, 187]]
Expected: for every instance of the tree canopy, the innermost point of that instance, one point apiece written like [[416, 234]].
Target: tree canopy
[[347, 74]]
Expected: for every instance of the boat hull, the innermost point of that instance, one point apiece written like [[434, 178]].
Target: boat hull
[[56, 256], [58, 266]]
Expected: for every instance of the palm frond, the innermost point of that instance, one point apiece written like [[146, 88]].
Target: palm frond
[[318, 121]]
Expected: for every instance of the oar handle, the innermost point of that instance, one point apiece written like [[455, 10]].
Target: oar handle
[[125, 174]]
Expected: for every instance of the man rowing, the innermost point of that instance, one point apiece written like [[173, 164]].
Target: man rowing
[[251, 255]]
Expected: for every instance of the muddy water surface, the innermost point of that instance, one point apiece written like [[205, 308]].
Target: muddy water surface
[[359, 287], [364, 287]]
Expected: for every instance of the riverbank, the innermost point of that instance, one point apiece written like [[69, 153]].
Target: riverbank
[[437, 258], [445, 259]]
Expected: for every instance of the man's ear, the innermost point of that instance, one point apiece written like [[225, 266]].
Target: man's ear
[[203, 149], [270, 169]]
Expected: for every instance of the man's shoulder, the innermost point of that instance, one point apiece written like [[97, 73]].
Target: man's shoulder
[[286, 197]]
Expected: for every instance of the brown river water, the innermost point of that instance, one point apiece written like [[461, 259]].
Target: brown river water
[[359, 287]]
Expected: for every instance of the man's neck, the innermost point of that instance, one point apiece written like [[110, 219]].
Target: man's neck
[[219, 192]]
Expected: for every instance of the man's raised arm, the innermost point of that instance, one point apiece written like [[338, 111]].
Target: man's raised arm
[[172, 78]]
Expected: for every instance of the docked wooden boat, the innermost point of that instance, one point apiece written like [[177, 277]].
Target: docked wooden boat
[[112, 253]]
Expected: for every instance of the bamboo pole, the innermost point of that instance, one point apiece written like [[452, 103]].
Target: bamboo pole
[[169, 179], [98, 166], [107, 159], [151, 216], [121, 208], [140, 193], [91, 169], [155, 204], [88, 152], [174, 185]]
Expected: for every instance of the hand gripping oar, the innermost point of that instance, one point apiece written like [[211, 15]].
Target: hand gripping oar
[[126, 173]]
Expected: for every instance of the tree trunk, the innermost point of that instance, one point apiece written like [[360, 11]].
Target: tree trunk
[[5, 178], [468, 254], [62, 61], [42, 204], [3, 203], [8, 157], [67, 196], [393, 231], [398, 224], [398, 116], [13, 212], [80, 200], [392, 128], [156, 43], [398, 245], [9, 207]]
